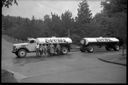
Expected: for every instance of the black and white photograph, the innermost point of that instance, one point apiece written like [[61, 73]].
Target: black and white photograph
[[64, 41]]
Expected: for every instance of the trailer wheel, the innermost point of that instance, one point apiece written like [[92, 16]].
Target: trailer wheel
[[21, 53], [82, 49], [90, 49], [116, 48], [64, 50]]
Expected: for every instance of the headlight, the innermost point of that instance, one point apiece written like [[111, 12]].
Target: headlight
[[82, 41], [14, 47]]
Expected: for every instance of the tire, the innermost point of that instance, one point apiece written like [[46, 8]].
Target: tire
[[90, 49], [82, 49], [64, 50], [108, 48], [22, 53], [116, 48]]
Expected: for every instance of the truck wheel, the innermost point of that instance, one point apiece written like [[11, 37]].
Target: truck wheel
[[108, 48], [90, 49], [82, 50], [116, 48], [64, 50], [22, 53]]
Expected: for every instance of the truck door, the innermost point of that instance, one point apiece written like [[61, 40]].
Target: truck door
[[32, 45]]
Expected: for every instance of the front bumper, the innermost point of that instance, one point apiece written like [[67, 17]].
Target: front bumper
[[14, 50]]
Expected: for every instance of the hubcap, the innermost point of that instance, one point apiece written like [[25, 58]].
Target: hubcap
[[64, 50], [22, 53], [91, 49]]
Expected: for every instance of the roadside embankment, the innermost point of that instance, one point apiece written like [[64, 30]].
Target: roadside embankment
[[115, 59]]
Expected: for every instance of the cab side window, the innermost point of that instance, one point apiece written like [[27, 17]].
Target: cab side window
[[32, 41]]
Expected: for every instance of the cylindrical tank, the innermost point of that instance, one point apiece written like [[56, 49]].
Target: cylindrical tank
[[98, 39], [54, 40]]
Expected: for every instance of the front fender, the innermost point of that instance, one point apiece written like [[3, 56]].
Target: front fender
[[24, 48]]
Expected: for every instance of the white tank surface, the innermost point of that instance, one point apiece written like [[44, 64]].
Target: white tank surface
[[100, 39], [54, 40]]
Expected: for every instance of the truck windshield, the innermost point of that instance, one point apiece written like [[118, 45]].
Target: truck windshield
[[32, 41]]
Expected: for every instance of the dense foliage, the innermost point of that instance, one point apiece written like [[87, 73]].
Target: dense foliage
[[7, 3], [115, 16], [112, 21]]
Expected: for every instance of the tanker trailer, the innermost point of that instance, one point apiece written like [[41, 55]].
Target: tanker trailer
[[109, 43]]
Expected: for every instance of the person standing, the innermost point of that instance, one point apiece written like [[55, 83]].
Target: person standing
[[52, 49], [41, 49], [55, 45], [37, 50], [48, 49], [45, 50], [58, 48]]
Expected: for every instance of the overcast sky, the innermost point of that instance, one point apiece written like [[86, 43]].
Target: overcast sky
[[39, 8]]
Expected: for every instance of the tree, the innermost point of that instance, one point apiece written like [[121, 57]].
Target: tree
[[47, 25], [47, 20], [7, 3], [114, 6], [56, 25], [33, 20], [102, 21], [84, 14], [46, 17], [83, 20], [67, 22], [116, 10]]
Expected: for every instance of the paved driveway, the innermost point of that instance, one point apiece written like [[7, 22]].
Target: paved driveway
[[76, 67]]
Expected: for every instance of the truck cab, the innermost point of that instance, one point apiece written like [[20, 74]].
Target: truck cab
[[21, 49], [31, 45]]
